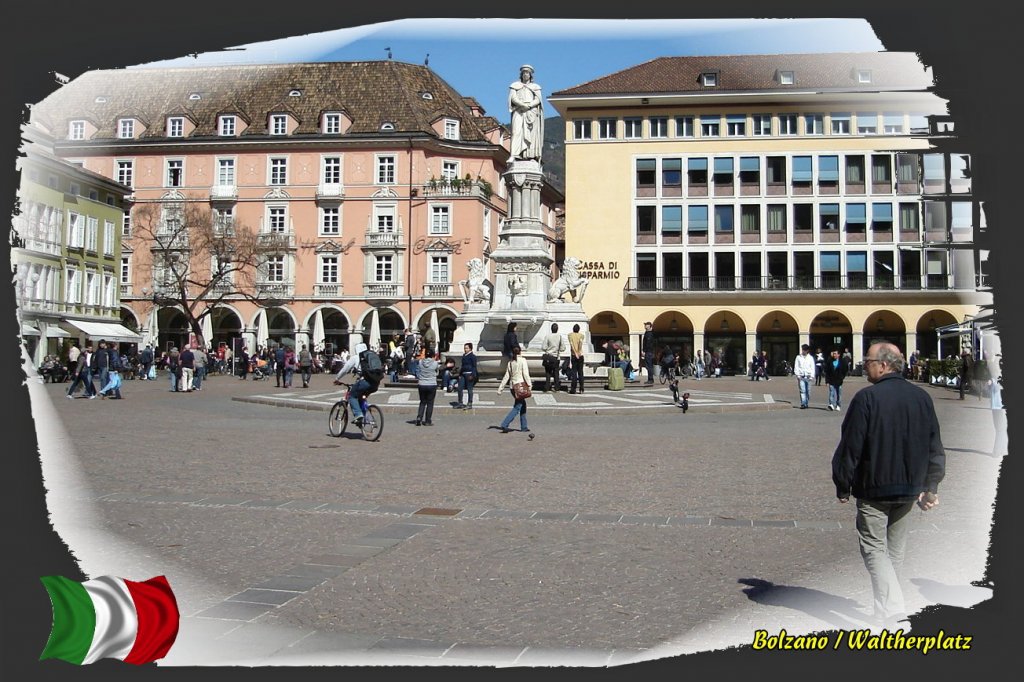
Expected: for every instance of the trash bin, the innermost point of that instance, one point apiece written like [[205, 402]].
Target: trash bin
[[615, 379]]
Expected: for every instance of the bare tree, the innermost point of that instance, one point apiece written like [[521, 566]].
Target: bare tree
[[200, 257]]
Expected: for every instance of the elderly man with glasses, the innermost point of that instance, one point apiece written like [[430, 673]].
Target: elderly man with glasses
[[890, 456]]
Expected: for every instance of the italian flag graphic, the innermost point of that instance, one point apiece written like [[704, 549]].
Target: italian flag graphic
[[110, 617]]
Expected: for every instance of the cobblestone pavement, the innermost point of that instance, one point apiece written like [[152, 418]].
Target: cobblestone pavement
[[615, 535]]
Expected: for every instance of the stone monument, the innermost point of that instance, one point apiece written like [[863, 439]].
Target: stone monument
[[522, 290]]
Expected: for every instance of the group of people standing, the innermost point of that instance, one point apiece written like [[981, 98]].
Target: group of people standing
[[834, 370]]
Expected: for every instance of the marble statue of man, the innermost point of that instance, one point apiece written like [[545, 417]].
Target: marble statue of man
[[527, 107]]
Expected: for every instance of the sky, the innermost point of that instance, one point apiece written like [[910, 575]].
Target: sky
[[480, 57]]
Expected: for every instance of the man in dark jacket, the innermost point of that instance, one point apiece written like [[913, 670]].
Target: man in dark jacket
[[647, 348], [279, 365], [836, 368], [890, 455]]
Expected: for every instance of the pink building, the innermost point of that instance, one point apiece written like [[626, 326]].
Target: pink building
[[377, 181]]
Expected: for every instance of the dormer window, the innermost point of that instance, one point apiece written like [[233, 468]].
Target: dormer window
[[332, 124], [427, 95], [101, 100], [227, 126], [76, 130], [126, 128], [787, 77], [863, 75], [176, 127], [195, 97], [295, 93], [278, 124], [451, 129], [387, 125], [709, 79]]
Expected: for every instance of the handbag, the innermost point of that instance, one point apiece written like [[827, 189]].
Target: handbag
[[521, 390]]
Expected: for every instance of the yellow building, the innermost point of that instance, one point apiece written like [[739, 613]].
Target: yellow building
[[759, 202]]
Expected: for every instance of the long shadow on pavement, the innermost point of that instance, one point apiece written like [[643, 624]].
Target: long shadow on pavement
[[841, 612]]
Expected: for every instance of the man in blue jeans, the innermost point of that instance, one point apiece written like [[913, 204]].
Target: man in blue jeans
[[366, 385], [803, 369]]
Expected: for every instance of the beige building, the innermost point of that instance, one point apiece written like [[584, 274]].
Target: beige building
[[758, 202]]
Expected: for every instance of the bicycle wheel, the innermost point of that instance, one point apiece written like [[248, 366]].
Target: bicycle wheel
[[663, 375], [338, 419], [373, 423]]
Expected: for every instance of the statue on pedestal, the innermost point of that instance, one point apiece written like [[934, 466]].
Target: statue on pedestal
[[475, 288], [569, 282], [527, 107]]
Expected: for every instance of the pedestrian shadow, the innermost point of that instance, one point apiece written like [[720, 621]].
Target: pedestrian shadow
[[970, 452], [841, 612], [963, 596]]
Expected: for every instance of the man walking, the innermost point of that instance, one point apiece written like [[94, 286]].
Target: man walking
[[647, 348], [146, 359], [305, 365], [836, 370], [803, 368], [279, 365], [890, 456], [83, 374], [187, 360], [200, 359], [552, 349]]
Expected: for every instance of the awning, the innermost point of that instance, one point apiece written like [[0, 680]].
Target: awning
[[96, 331], [55, 332], [29, 330]]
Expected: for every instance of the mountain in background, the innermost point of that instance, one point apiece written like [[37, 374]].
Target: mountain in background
[[553, 158]]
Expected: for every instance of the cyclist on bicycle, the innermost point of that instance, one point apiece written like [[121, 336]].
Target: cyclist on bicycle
[[367, 363]]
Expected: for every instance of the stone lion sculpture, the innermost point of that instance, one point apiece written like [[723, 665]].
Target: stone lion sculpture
[[475, 289], [570, 282]]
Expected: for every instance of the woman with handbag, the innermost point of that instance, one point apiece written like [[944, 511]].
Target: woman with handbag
[[518, 376], [426, 382]]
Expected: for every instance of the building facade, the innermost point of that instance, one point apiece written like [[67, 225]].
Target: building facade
[[375, 181], [759, 202], [65, 251]]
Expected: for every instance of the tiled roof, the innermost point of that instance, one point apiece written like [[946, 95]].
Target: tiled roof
[[889, 70], [370, 93]]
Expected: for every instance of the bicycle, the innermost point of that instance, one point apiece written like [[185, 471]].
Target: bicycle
[[668, 372], [373, 419]]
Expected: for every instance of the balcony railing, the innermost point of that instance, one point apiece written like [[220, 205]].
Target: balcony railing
[[437, 290], [330, 191], [126, 290], [681, 285], [224, 193], [327, 291], [285, 240], [275, 290], [458, 188], [376, 239], [382, 289]]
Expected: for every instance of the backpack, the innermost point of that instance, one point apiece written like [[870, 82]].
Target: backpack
[[115, 360], [369, 365]]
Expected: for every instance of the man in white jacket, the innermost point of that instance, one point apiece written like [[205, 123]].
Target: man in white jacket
[[803, 368]]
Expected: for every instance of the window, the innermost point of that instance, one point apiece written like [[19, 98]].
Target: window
[[275, 269], [74, 288], [94, 195], [76, 130], [387, 126], [787, 124], [762, 124], [332, 124], [384, 268], [709, 79], [710, 125], [451, 129], [828, 169], [697, 219], [961, 221], [840, 124], [384, 218], [863, 75], [910, 220], [735, 125], [176, 127], [830, 277], [226, 172], [440, 219], [918, 124], [881, 217], [634, 127], [814, 124], [884, 272], [672, 219], [934, 173], [645, 220], [606, 128], [226, 127], [330, 220], [684, 126], [332, 170], [93, 227], [581, 129], [750, 170], [108, 237], [646, 170], [328, 269], [881, 169], [385, 170], [440, 270], [449, 170], [126, 224], [724, 218], [907, 168], [223, 218], [659, 126], [278, 171], [750, 218], [276, 219], [126, 128], [697, 171], [867, 123], [74, 189], [959, 173], [278, 124], [828, 217], [723, 171], [802, 171], [125, 172], [857, 270], [787, 77], [854, 170], [935, 262], [892, 123], [856, 217], [671, 172], [126, 269], [175, 172], [776, 218], [775, 170]]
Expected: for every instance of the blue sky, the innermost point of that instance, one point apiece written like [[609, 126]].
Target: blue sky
[[480, 57]]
